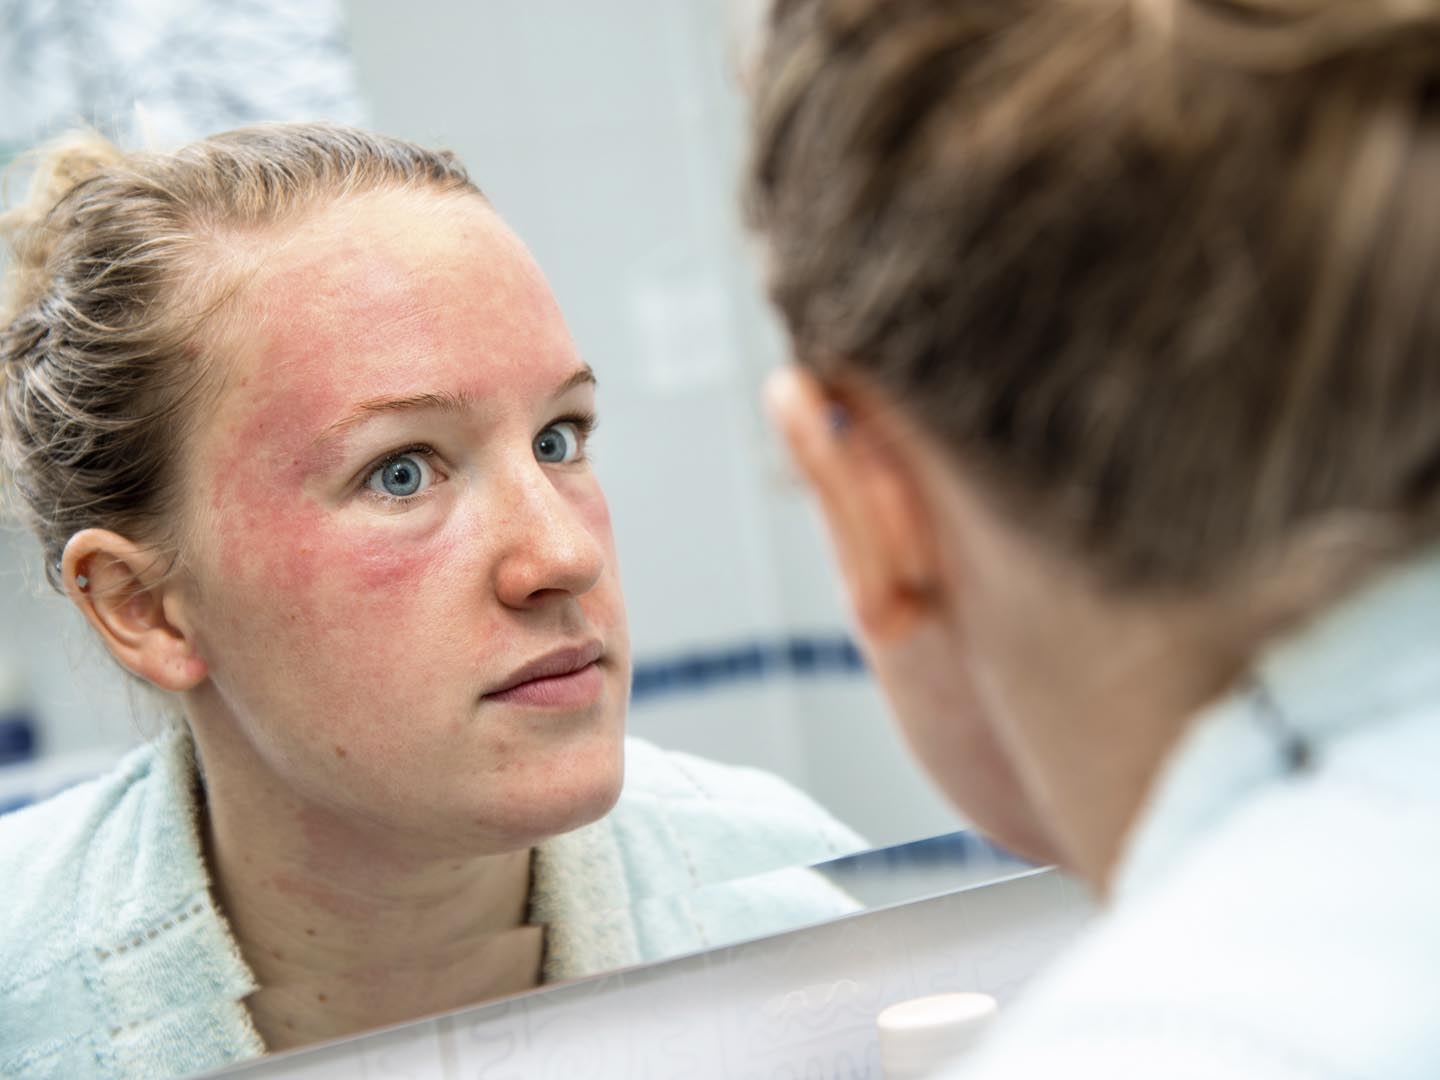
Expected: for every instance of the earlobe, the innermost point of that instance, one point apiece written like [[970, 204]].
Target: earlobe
[[122, 591], [871, 499]]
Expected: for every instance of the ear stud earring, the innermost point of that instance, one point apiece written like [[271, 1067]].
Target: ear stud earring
[[82, 582]]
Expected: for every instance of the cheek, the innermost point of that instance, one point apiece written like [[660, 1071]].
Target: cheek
[[347, 628], [262, 528], [390, 568], [595, 513], [358, 582]]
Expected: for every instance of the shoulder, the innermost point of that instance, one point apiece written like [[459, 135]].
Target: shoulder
[[693, 855], [712, 854], [111, 949], [71, 863], [726, 820], [1296, 938], [43, 847]]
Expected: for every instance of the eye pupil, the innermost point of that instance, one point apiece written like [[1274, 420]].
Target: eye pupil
[[401, 477], [551, 445]]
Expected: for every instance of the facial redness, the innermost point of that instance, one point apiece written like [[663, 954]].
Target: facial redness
[[332, 616]]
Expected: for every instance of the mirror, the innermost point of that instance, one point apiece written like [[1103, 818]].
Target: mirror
[[610, 138]]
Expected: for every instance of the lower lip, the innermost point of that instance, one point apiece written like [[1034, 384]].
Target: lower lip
[[573, 691]]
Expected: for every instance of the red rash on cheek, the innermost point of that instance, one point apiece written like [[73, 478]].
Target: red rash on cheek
[[595, 512], [383, 564], [267, 524]]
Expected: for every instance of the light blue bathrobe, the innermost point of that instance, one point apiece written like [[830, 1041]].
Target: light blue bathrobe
[[1270, 922], [116, 962]]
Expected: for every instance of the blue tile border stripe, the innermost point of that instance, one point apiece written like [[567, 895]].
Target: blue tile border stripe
[[17, 737], [707, 670], [962, 848]]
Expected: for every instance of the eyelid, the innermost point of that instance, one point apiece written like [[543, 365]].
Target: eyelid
[[420, 450], [584, 424]]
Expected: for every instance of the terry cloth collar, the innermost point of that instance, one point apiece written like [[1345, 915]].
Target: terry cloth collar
[[167, 967], [163, 968]]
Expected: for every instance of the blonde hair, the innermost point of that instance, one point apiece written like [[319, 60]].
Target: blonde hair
[[115, 272], [1163, 272]]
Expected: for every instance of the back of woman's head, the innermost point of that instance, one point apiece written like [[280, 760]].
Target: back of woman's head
[[1163, 273], [120, 266]]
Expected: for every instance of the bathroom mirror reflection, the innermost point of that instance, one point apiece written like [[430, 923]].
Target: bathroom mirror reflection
[[608, 141]]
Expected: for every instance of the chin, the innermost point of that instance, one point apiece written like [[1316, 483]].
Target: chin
[[573, 792]]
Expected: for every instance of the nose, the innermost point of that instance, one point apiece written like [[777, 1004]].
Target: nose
[[549, 550]]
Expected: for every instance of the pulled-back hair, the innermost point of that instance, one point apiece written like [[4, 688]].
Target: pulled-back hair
[[1165, 274], [118, 264]]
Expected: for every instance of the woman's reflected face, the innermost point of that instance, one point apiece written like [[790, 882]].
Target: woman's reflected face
[[401, 562]]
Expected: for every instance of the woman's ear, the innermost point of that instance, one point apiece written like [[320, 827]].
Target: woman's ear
[[873, 499], [122, 590]]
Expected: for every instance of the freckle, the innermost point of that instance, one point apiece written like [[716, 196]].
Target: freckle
[[340, 751], [290, 1024], [321, 998], [277, 954], [309, 931], [455, 867]]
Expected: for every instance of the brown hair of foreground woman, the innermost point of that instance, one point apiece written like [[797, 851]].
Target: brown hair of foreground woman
[[1157, 270]]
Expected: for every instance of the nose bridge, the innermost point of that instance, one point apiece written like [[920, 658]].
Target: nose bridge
[[547, 545]]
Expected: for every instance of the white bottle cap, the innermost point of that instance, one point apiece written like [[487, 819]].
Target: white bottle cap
[[920, 1035]]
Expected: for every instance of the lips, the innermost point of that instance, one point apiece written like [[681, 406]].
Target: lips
[[565, 676]]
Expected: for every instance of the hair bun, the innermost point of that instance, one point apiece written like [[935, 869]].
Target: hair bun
[[57, 168]]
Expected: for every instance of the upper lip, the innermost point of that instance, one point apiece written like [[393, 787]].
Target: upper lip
[[560, 662]]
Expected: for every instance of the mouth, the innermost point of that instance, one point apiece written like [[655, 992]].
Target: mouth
[[565, 678]]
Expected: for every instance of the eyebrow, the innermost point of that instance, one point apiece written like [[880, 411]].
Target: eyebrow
[[442, 401]]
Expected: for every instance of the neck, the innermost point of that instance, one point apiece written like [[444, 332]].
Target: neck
[[1097, 722], [1093, 690], [345, 927]]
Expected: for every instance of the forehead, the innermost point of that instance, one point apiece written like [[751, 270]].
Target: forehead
[[379, 293]]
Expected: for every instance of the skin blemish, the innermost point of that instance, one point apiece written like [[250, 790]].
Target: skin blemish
[[340, 751], [321, 998]]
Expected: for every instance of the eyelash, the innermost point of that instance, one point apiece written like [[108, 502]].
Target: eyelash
[[585, 423], [418, 450]]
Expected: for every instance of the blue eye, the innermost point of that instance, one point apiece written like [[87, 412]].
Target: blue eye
[[559, 444], [401, 476]]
